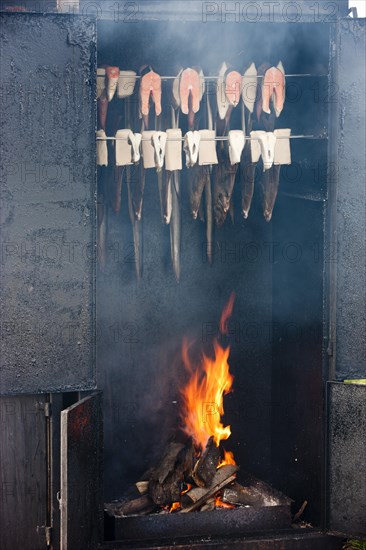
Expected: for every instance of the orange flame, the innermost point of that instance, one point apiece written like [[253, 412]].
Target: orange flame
[[228, 459], [219, 503], [189, 487], [226, 314], [203, 395], [174, 506]]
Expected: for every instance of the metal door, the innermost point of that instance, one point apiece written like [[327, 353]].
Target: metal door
[[81, 474], [23, 473]]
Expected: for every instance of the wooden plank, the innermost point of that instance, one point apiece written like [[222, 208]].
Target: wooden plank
[[81, 474], [23, 473]]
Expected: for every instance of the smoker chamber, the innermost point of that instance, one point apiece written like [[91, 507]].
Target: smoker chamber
[[298, 328]]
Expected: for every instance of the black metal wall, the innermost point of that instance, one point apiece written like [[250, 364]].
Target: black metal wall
[[47, 203], [348, 242]]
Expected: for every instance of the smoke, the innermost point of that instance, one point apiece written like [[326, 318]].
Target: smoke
[[137, 366]]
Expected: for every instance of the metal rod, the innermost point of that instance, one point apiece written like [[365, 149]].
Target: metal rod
[[222, 76], [220, 138]]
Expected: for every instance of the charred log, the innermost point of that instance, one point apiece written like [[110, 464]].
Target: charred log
[[244, 496], [142, 505], [206, 465], [166, 479], [223, 477]]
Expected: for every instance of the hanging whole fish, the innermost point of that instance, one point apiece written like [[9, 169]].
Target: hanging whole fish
[[137, 187], [102, 108], [136, 224], [175, 225], [174, 164], [165, 191], [270, 184], [102, 218], [247, 171], [224, 179], [209, 218], [198, 176]]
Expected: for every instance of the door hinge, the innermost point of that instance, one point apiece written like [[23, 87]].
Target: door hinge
[[47, 409], [47, 532], [330, 349]]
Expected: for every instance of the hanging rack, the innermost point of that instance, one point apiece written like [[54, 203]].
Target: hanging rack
[[217, 77], [219, 138]]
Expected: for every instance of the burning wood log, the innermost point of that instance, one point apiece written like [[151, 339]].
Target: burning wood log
[[165, 481], [261, 490], [209, 505], [193, 495], [223, 476], [244, 496], [206, 466]]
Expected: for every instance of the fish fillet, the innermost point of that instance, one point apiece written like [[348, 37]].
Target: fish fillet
[[233, 87], [150, 85], [273, 88]]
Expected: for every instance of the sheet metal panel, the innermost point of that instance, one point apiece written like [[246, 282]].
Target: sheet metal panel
[[47, 215], [347, 458], [348, 251]]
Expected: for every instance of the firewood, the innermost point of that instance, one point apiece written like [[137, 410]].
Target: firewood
[[206, 465], [223, 476], [142, 487], [193, 495], [141, 504], [209, 505], [237, 494], [257, 487], [166, 479]]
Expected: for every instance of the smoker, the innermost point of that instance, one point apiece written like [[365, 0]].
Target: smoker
[[88, 384]]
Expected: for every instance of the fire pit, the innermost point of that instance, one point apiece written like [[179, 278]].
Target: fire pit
[[197, 474]]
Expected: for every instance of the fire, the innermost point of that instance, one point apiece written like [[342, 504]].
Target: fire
[[203, 395], [228, 459], [189, 487], [174, 506], [219, 503], [226, 314]]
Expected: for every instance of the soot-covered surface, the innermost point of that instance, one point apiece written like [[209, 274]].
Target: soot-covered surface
[[47, 203]]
